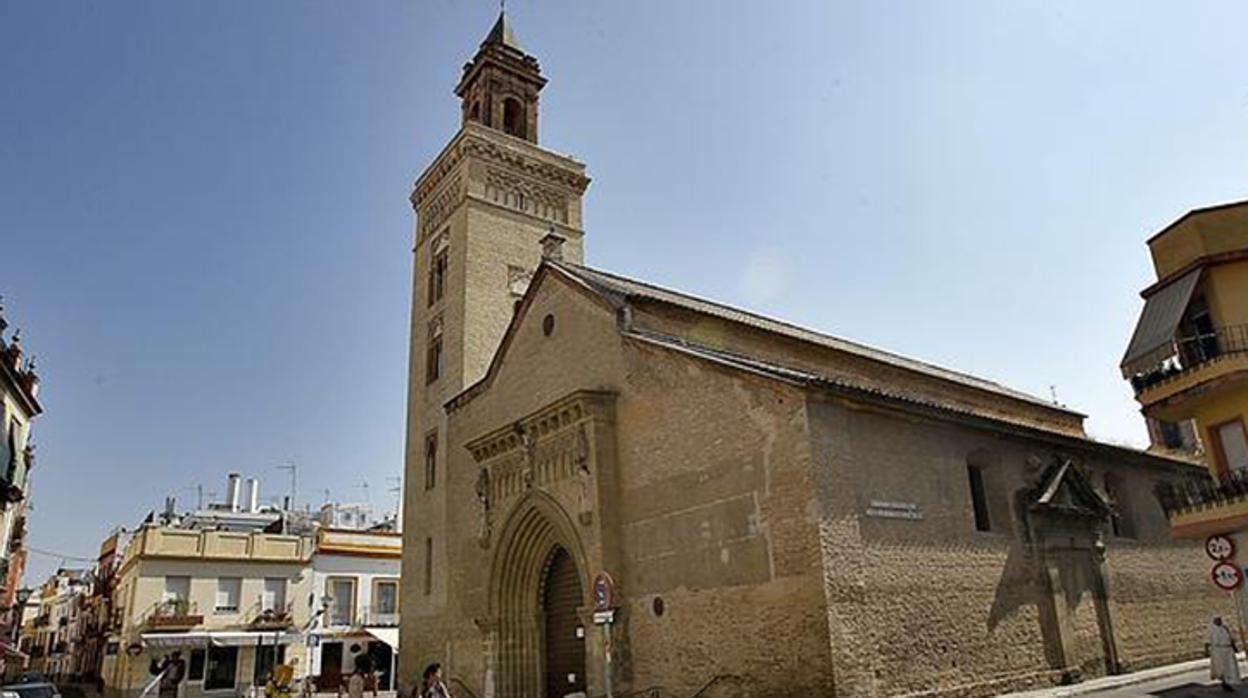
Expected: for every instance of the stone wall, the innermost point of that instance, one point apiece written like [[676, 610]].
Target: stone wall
[[706, 512], [933, 606]]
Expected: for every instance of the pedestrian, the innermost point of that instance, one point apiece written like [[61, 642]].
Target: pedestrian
[[434, 686], [171, 670], [1223, 665], [356, 684]]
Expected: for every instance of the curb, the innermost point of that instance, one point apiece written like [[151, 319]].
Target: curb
[[1120, 681]]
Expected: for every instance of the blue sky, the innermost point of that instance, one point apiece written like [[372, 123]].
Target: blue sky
[[206, 236]]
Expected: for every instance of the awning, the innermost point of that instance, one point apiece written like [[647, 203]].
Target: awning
[[174, 640], [388, 635], [252, 638], [1154, 333], [217, 639]]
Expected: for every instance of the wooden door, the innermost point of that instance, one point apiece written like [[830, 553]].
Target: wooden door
[[563, 637]]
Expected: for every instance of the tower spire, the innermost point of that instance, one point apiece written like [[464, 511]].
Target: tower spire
[[500, 84], [502, 33]]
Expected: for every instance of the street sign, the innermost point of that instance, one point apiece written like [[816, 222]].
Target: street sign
[[1226, 576], [604, 592], [604, 617], [1219, 547]]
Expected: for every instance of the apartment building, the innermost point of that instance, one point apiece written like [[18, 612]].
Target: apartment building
[[19, 406], [50, 638], [231, 603], [356, 574]]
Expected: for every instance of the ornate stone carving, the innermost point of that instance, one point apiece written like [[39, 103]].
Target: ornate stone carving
[[551, 172], [485, 497], [436, 211], [529, 443], [584, 479], [549, 447], [518, 279], [514, 191]]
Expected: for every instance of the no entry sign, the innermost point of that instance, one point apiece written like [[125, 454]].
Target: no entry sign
[[1219, 547], [1226, 576]]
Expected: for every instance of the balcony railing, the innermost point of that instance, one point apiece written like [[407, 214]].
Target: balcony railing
[[1194, 495], [1191, 352], [379, 616], [174, 613], [267, 616]]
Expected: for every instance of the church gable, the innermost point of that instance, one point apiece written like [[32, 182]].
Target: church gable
[[552, 326]]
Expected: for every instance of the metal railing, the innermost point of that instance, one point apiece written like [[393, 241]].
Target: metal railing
[[271, 615], [1193, 495], [378, 616], [1187, 353], [173, 612]]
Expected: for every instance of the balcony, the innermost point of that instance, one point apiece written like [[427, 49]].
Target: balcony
[[1201, 508], [279, 618], [173, 614], [379, 616], [1193, 361]]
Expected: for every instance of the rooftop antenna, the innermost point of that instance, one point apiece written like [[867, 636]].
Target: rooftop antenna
[[1053, 392], [396, 488], [294, 479], [364, 486]]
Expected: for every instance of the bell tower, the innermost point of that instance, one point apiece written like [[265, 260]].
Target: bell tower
[[500, 85], [488, 208]]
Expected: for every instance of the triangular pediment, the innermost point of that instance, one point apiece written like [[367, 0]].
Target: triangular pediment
[[1064, 488]]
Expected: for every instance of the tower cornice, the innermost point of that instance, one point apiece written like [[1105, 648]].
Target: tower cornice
[[494, 146]]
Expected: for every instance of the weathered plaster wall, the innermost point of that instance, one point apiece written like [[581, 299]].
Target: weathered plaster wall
[[935, 606]]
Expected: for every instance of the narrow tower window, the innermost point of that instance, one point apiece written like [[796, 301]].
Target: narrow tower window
[[979, 501], [437, 270], [428, 566], [434, 356], [431, 460], [513, 117]]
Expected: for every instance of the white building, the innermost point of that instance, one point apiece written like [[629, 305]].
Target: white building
[[356, 574]]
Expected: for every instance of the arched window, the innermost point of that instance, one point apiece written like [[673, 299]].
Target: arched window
[[474, 114], [1122, 519], [513, 117]]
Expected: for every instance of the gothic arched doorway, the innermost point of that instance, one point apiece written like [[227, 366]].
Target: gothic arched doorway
[[536, 589], [563, 636]]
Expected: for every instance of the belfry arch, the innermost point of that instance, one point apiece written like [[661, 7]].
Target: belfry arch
[[537, 540]]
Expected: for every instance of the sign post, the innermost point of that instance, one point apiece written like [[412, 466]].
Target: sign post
[[604, 615], [1226, 573]]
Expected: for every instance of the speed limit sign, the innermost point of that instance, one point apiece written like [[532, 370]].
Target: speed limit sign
[[1226, 576], [1219, 547]]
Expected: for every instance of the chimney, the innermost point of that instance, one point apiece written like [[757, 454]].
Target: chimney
[[552, 245], [286, 503], [170, 508], [231, 491], [253, 495]]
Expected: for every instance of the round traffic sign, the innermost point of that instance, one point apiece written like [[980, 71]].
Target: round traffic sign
[[604, 591], [1219, 547], [1226, 576]]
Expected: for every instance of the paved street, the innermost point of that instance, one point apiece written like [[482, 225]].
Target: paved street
[[1193, 684]]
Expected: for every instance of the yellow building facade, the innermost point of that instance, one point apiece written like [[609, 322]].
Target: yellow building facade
[[1188, 358], [231, 603]]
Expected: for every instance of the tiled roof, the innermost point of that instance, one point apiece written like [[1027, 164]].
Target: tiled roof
[[804, 377], [622, 288]]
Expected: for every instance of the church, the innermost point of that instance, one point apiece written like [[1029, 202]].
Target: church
[[614, 486]]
